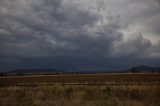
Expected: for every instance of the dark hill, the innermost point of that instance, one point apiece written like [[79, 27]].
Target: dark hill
[[35, 71], [146, 69]]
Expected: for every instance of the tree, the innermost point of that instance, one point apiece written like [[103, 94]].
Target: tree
[[1, 74], [134, 70], [5, 74], [19, 74]]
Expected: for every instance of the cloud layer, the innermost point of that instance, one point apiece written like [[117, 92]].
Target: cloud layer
[[79, 28]]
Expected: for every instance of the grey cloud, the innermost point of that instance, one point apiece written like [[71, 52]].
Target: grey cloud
[[28, 36], [50, 28], [135, 45], [153, 52], [158, 1]]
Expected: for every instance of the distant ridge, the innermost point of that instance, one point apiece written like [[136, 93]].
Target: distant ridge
[[34, 71], [146, 69]]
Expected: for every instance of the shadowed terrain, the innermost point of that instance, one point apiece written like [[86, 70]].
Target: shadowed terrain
[[80, 95]]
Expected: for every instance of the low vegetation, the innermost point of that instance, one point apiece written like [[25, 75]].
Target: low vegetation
[[118, 78], [80, 95], [81, 90]]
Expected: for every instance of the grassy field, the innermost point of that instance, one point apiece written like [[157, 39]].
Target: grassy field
[[80, 95], [127, 78], [81, 90]]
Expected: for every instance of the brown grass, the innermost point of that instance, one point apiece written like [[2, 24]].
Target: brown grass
[[85, 78], [81, 90], [81, 95]]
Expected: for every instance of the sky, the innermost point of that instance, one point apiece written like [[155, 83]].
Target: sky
[[79, 34]]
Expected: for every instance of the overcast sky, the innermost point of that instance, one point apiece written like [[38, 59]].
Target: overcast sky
[[79, 34]]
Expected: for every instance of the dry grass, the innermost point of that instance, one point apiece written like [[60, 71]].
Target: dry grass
[[85, 78], [81, 90], [80, 95]]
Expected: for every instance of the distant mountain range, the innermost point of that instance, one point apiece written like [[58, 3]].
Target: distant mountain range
[[56, 71], [146, 69], [141, 69], [34, 71]]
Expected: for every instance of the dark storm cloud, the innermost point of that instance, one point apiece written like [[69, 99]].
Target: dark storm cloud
[[50, 28], [55, 29], [158, 1]]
